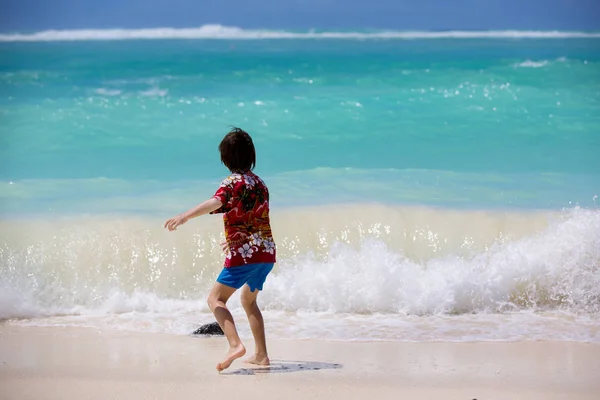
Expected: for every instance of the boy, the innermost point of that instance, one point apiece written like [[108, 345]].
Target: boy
[[243, 198]]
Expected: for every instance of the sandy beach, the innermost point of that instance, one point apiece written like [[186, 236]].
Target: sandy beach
[[80, 363]]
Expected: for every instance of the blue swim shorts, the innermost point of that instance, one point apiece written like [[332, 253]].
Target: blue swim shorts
[[252, 274]]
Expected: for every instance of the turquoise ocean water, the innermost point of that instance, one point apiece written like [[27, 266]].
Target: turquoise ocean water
[[425, 186]]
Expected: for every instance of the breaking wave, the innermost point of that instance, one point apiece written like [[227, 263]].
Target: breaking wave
[[389, 260], [235, 33]]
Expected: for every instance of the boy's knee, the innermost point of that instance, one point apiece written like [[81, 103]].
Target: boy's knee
[[211, 301], [247, 303]]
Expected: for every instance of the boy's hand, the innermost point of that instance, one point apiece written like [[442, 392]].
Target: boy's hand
[[174, 222], [225, 247]]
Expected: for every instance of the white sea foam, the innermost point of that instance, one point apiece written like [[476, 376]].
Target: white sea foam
[[540, 63], [532, 64], [227, 32], [357, 258], [155, 92], [108, 92]]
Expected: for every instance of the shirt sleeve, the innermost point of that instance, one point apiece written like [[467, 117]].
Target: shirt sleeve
[[224, 194]]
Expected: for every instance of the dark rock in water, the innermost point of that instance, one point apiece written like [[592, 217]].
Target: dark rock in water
[[209, 329]]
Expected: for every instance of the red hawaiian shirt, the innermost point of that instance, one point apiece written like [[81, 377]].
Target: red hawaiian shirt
[[245, 209]]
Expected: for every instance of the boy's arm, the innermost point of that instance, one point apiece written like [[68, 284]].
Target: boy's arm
[[206, 207]]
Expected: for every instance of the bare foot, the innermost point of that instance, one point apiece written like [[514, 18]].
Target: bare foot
[[258, 360], [233, 354]]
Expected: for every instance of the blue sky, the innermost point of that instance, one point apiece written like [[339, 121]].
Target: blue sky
[[34, 15]]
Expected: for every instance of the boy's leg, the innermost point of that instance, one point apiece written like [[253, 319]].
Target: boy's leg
[[257, 325], [216, 301]]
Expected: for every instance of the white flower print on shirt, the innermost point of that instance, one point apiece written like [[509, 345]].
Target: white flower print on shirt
[[231, 180], [246, 251], [269, 246], [230, 254], [256, 239], [250, 181]]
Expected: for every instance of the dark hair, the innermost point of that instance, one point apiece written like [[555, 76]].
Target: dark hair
[[237, 151]]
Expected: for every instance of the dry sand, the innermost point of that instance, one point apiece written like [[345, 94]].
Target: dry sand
[[75, 363]]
